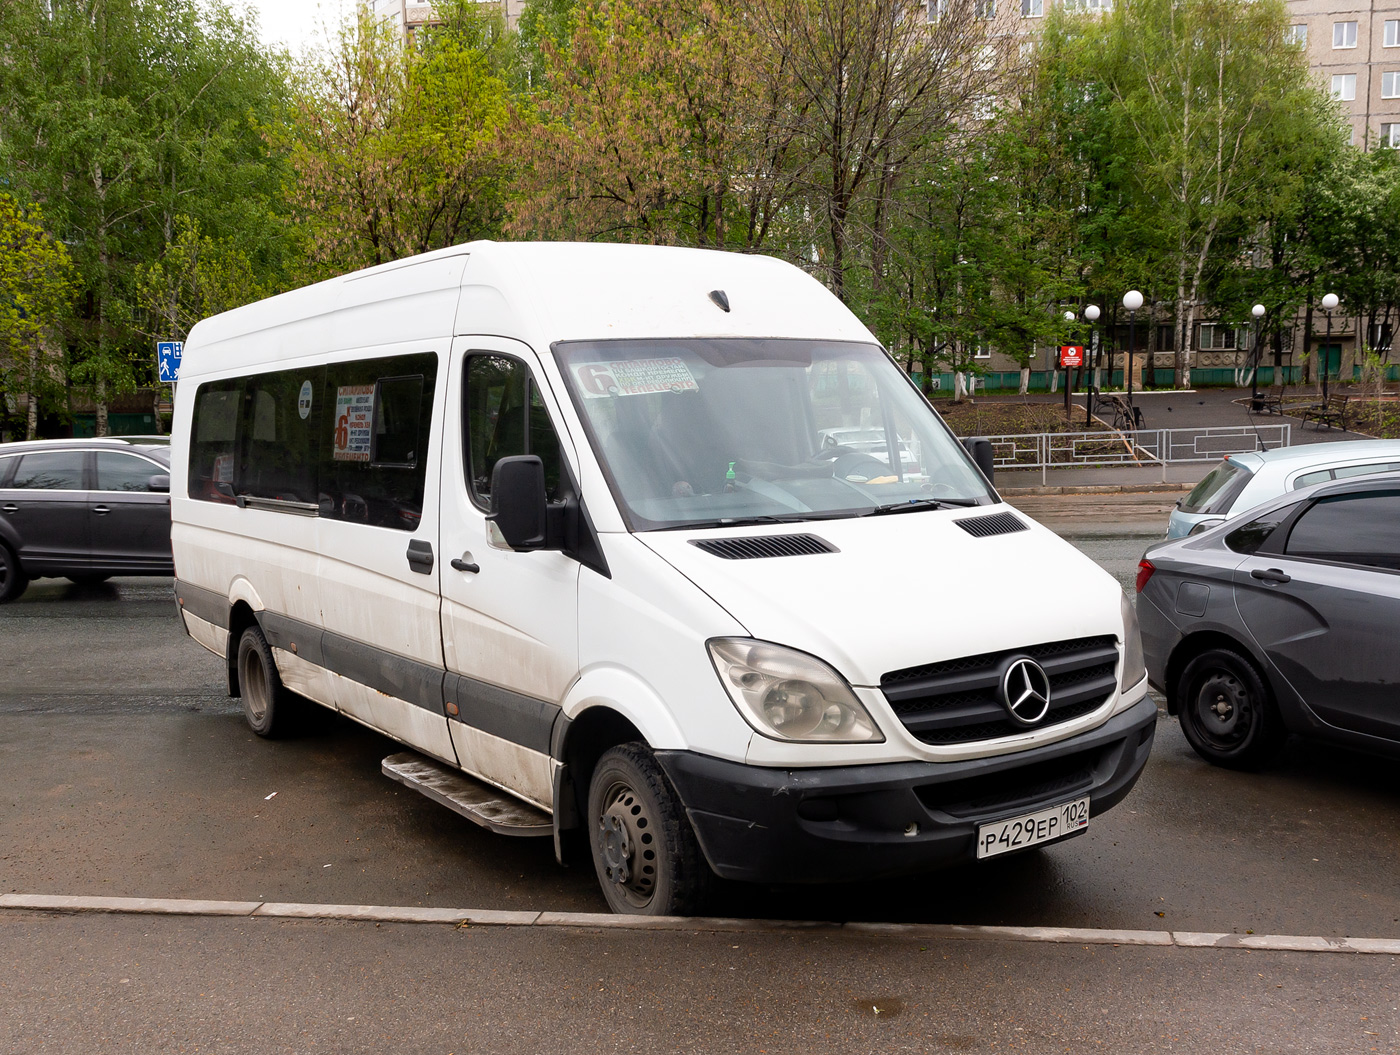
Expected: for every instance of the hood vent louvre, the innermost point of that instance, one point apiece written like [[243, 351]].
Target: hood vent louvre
[[999, 524], [764, 546]]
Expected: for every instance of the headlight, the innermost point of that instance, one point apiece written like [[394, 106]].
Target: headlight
[[1134, 670], [790, 695]]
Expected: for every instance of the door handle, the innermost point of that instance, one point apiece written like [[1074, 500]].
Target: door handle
[[1271, 575], [465, 565], [101, 510], [10, 507], [420, 557]]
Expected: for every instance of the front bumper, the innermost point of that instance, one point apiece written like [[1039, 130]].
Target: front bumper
[[853, 823]]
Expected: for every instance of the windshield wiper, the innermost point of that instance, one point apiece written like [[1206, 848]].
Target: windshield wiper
[[916, 504], [758, 518]]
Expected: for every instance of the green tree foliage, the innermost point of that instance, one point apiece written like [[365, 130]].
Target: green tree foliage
[[36, 289], [394, 148], [117, 116]]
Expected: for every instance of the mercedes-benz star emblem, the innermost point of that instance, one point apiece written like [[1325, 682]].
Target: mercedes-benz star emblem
[[1025, 691]]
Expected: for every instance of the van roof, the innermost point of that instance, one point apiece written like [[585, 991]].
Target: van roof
[[539, 292]]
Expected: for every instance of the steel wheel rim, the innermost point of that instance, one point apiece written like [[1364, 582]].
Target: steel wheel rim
[[1223, 710], [253, 681], [628, 841]]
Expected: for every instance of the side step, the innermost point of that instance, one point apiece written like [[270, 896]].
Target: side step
[[487, 806]]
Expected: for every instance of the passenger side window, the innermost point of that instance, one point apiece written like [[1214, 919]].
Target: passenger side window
[[505, 416], [1350, 529], [214, 437], [280, 436], [374, 464], [124, 472], [50, 471]]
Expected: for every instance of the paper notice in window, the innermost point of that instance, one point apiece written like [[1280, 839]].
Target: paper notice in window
[[634, 377], [354, 420]]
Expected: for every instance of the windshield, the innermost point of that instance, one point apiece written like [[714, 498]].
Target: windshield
[[735, 430]]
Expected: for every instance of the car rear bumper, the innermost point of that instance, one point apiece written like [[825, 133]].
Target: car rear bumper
[[862, 822]]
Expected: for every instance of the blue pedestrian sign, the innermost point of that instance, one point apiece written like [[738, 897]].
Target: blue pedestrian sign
[[168, 360]]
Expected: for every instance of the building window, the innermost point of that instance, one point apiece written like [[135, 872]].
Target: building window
[[980, 348], [1390, 136], [1392, 33], [1390, 85], [1032, 8], [1296, 35], [984, 9], [1344, 86], [1344, 34], [1214, 337], [1166, 338], [1380, 335], [937, 9], [987, 57]]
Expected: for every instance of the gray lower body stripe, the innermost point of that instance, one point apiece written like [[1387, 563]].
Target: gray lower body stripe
[[522, 720], [203, 604]]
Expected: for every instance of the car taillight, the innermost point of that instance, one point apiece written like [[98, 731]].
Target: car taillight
[[1145, 570]]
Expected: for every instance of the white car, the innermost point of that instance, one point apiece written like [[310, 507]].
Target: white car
[[868, 440], [1243, 481]]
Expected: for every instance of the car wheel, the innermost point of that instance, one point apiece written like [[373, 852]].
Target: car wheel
[[267, 706], [1226, 711], [13, 581], [644, 850]]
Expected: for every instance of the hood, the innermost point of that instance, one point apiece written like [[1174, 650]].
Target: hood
[[903, 590]]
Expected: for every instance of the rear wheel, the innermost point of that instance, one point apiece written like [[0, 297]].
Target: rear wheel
[[644, 850], [13, 581], [1226, 711], [268, 707]]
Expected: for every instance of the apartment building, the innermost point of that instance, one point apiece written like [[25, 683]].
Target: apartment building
[[409, 16], [1354, 47]]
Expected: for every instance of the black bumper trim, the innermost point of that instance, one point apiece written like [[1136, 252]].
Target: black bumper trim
[[850, 823]]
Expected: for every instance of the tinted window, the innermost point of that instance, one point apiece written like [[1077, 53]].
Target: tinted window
[[1345, 471], [373, 461], [1351, 529], [214, 438], [1218, 491], [7, 466], [124, 472], [1249, 538], [50, 471], [280, 438], [505, 416]]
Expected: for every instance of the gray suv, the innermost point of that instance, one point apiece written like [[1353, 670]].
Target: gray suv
[[83, 509]]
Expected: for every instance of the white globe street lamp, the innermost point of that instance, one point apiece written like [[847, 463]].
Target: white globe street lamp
[[1258, 312], [1091, 312], [1132, 300], [1329, 304]]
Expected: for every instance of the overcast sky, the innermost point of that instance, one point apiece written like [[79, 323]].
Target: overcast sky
[[295, 24]]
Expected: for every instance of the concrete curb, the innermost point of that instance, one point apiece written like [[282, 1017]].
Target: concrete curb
[[1094, 489], [695, 925]]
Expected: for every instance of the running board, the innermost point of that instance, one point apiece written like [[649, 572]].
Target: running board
[[478, 802]]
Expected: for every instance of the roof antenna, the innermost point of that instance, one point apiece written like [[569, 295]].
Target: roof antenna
[[720, 298]]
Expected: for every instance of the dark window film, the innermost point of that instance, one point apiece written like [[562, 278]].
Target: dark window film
[[125, 472], [50, 471], [7, 466], [280, 436], [213, 445], [373, 463], [505, 416], [398, 403], [1350, 529], [1251, 537]]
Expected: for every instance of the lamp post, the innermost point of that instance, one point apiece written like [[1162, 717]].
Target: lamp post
[[1132, 300], [1092, 314], [1329, 304], [1258, 312]]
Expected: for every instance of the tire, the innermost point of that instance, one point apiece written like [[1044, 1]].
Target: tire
[[269, 708], [644, 850], [13, 581], [1226, 711]]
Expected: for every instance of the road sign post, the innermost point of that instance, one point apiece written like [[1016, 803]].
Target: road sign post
[[1071, 355]]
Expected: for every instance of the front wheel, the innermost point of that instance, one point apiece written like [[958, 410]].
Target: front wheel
[[644, 849], [1226, 711], [13, 581]]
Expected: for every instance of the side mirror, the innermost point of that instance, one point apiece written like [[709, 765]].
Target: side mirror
[[518, 504], [980, 448], [160, 483]]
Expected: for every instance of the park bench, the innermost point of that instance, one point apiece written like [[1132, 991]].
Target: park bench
[[1331, 413], [1270, 402], [1124, 416]]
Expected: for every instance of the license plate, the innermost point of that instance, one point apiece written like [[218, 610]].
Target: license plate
[[1016, 833]]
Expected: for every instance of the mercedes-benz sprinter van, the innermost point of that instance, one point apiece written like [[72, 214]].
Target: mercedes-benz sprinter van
[[655, 551]]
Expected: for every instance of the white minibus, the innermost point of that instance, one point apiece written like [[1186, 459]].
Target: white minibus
[[655, 551]]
